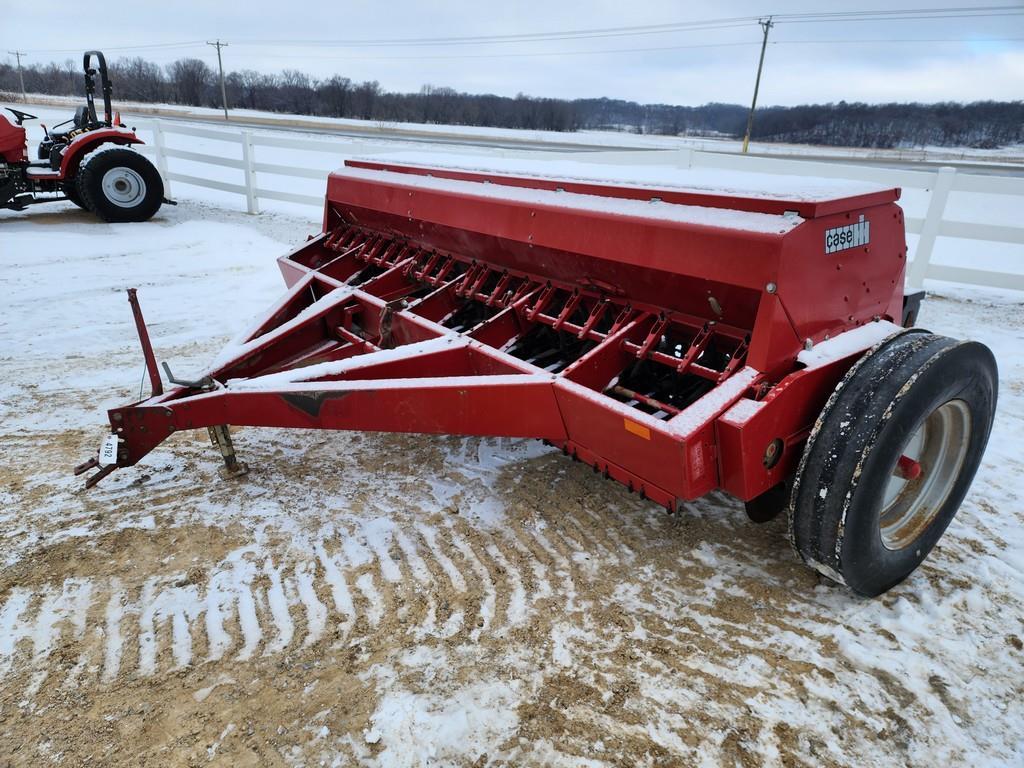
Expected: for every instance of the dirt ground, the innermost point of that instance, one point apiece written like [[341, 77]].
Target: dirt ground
[[391, 600]]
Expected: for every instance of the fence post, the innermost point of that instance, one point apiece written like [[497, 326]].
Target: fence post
[[918, 269], [252, 203], [684, 157], [161, 157]]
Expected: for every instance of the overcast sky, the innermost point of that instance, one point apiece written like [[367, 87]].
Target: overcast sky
[[805, 62]]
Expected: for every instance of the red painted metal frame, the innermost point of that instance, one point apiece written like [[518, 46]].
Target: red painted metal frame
[[12, 142], [434, 302]]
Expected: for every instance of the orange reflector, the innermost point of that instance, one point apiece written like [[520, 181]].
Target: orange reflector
[[637, 429]]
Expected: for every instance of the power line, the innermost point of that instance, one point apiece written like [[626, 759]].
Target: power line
[[603, 51], [524, 38], [964, 9], [498, 55], [893, 40], [702, 25], [141, 47], [912, 18], [911, 14]]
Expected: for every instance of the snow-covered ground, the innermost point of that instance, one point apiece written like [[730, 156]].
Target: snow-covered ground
[[973, 207], [389, 600]]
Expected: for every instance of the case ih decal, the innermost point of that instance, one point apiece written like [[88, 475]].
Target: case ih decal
[[850, 236]]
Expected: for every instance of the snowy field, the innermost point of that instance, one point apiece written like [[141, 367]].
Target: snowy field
[[388, 600], [65, 105], [981, 208]]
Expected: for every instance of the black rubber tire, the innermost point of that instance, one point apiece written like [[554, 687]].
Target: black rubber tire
[[834, 512], [89, 180], [71, 193]]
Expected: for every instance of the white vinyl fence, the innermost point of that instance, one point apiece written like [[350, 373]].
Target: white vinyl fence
[[932, 189]]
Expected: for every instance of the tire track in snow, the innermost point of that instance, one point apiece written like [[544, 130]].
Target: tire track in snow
[[443, 578], [498, 579], [541, 586], [315, 611], [334, 573], [252, 633], [277, 605], [561, 566], [164, 607], [487, 604], [422, 578], [374, 599], [13, 628], [368, 598], [454, 574], [516, 609], [616, 544], [592, 538], [114, 645], [59, 611]]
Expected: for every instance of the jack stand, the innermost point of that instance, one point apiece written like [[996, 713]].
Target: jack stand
[[221, 439]]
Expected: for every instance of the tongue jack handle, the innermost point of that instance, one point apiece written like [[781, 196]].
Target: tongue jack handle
[[147, 347]]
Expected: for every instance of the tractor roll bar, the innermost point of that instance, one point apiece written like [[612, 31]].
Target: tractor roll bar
[[90, 86]]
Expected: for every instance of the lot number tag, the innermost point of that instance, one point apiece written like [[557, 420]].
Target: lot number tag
[[108, 451]]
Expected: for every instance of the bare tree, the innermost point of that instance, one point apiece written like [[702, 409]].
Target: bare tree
[[137, 79], [296, 88], [256, 88], [190, 81], [335, 95], [364, 100]]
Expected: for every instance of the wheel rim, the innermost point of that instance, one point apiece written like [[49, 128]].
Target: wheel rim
[[922, 478], [123, 187]]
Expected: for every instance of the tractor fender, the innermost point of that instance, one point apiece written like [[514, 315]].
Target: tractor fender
[[12, 141], [82, 145]]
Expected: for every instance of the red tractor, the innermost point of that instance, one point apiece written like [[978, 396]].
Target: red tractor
[[91, 163]]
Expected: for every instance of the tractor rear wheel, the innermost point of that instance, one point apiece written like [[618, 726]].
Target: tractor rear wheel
[[891, 458], [118, 184]]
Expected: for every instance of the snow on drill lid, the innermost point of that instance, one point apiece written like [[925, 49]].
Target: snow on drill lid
[[847, 343], [769, 186], [764, 223]]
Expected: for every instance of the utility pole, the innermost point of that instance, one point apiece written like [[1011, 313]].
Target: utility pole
[[220, 65], [766, 24], [21, 73]]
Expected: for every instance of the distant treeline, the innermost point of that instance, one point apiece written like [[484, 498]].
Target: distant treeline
[[985, 124]]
